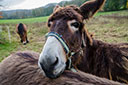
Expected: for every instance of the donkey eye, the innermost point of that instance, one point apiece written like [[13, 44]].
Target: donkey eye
[[75, 24]]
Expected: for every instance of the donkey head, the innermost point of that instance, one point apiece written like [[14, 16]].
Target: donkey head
[[67, 35]]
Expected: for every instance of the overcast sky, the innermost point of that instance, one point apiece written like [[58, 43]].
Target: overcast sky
[[25, 4]]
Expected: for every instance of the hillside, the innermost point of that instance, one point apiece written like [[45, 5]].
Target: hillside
[[110, 5]]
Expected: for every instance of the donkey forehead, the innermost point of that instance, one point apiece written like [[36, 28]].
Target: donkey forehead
[[67, 13]]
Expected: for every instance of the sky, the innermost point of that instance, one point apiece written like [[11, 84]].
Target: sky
[[25, 4]]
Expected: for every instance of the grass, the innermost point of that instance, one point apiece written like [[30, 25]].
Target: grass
[[111, 27], [112, 12], [26, 21], [6, 48], [36, 32]]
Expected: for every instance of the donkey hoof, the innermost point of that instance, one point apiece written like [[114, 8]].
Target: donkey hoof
[[21, 41], [27, 41], [24, 43]]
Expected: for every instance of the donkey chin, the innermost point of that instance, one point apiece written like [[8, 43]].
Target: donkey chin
[[52, 59]]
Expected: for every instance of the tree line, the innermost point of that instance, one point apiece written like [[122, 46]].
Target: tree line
[[110, 5]]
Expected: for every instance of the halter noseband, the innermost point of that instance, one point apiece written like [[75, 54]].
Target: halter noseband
[[60, 39], [66, 48]]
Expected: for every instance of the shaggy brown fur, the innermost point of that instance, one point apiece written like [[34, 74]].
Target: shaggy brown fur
[[101, 59], [106, 60], [21, 69], [21, 29]]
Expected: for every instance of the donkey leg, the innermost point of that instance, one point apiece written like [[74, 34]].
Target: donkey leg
[[27, 40], [21, 41], [24, 43]]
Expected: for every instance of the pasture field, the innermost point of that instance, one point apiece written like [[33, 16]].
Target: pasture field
[[26, 21], [111, 27]]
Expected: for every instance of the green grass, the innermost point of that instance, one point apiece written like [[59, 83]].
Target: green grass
[[105, 26], [36, 32], [110, 27], [6, 48], [111, 12], [26, 21]]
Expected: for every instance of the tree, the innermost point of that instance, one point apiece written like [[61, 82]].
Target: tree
[[112, 5]]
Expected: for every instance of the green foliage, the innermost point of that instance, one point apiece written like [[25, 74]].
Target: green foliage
[[112, 5], [72, 2]]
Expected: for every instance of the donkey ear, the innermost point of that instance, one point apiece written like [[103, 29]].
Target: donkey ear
[[89, 8], [56, 7]]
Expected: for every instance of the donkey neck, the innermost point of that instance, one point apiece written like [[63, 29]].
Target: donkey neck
[[87, 60]]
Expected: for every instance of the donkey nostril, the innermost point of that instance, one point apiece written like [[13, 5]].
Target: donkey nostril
[[55, 62], [48, 63], [41, 65]]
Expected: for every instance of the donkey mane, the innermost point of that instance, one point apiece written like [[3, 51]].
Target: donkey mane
[[21, 69], [21, 29]]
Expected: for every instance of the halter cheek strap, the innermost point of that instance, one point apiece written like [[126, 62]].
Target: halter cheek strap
[[65, 46], [60, 39]]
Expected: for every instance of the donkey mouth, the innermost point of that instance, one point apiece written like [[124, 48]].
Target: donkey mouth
[[52, 72], [51, 75]]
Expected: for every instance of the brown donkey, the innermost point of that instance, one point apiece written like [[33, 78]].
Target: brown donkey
[[21, 68], [21, 29], [68, 40]]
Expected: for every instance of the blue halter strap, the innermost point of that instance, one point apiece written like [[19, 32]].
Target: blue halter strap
[[60, 39]]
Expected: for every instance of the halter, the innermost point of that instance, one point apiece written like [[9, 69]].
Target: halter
[[66, 48], [60, 39]]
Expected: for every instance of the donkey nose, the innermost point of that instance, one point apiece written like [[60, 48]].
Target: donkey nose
[[49, 63]]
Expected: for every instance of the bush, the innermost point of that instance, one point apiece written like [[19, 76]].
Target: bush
[[112, 5]]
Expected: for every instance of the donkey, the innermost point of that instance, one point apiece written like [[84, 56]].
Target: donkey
[[21, 68], [21, 29], [70, 46]]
